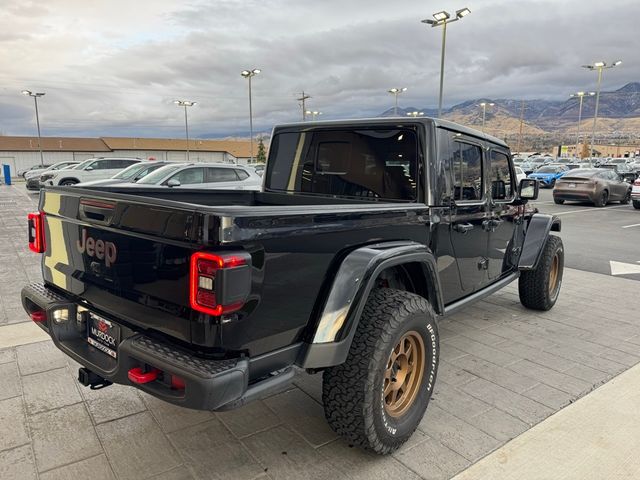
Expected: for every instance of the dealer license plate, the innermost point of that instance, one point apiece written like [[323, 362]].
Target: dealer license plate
[[103, 334]]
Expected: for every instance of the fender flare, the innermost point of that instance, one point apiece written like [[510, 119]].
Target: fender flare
[[339, 317], [535, 238]]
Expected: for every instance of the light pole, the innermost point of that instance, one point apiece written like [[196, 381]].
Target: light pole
[[313, 113], [248, 74], [442, 19], [185, 104], [599, 66], [581, 96], [484, 112], [35, 99], [415, 114], [396, 91]]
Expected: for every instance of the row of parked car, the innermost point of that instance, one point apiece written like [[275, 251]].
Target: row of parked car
[[149, 173], [598, 181]]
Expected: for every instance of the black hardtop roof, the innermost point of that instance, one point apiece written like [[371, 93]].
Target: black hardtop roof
[[438, 122]]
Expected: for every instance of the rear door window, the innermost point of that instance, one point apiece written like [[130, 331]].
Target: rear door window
[[376, 163], [221, 175], [467, 170]]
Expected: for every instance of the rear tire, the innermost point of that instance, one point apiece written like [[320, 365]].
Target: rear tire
[[636, 204], [395, 351], [539, 288], [558, 201], [602, 200]]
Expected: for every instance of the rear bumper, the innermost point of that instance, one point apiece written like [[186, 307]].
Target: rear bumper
[[574, 194], [209, 384]]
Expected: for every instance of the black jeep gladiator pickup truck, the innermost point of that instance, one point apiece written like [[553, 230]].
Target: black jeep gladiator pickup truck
[[365, 233]]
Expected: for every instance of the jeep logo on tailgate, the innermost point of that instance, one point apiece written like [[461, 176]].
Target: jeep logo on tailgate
[[97, 248]]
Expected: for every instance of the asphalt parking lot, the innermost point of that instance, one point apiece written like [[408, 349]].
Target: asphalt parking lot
[[504, 369]]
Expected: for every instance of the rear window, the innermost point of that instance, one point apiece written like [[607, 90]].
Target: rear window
[[379, 163]]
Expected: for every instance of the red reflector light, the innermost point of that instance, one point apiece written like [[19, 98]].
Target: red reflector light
[[202, 281], [36, 232], [136, 375], [177, 383], [39, 316]]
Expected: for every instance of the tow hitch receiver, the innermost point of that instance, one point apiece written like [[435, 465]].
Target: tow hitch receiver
[[92, 380]]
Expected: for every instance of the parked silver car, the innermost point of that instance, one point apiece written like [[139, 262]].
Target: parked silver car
[[217, 176]]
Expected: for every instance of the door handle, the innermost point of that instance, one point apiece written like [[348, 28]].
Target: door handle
[[463, 227], [491, 224]]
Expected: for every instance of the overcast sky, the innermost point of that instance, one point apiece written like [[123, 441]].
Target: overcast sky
[[115, 67]]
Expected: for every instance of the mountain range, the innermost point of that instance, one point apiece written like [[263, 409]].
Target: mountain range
[[619, 111]]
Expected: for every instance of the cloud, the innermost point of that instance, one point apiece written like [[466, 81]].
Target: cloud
[[113, 68]]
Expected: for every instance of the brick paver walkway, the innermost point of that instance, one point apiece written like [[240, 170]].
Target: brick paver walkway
[[503, 370]]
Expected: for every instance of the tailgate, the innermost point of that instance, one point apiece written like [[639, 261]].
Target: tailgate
[[122, 255]]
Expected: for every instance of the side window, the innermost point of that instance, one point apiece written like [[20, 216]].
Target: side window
[[500, 176], [467, 172], [221, 175], [100, 165], [242, 174], [190, 176]]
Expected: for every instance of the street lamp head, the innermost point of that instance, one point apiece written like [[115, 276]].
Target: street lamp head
[[591, 94], [599, 64], [250, 73], [428, 21], [616, 63], [463, 12], [440, 16], [395, 90], [26, 92], [185, 103], [177, 102]]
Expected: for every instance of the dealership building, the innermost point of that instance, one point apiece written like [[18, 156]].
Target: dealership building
[[23, 152]]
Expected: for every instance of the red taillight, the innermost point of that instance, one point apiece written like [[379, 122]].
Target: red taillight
[[205, 267], [36, 232], [38, 316], [137, 375]]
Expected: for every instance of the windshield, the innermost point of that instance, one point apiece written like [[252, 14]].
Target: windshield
[[547, 170], [131, 171], [159, 174]]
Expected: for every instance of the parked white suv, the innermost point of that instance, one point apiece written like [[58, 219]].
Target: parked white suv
[[216, 176], [91, 169]]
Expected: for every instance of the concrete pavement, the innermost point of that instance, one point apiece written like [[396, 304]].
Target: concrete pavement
[[504, 369]]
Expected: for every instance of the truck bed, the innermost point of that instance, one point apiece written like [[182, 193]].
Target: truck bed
[[295, 243]]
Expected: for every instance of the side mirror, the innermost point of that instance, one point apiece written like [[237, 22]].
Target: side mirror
[[88, 169], [174, 182], [528, 189]]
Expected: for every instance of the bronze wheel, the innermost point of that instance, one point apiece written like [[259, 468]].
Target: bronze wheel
[[403, 375], [553, 274]]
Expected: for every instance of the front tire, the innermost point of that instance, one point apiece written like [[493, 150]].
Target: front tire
[[539, 288], [558, 201], [378, 396], [636, 204], [626, 199], [68, 182]]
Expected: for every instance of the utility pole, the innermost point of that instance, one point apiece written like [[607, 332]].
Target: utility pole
[[303, 98], [521, 125]]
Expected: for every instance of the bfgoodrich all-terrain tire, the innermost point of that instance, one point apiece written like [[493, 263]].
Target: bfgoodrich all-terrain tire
[[539, 288], [378, 396]]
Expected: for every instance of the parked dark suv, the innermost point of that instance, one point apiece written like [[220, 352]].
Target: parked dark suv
[[365, 234]]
